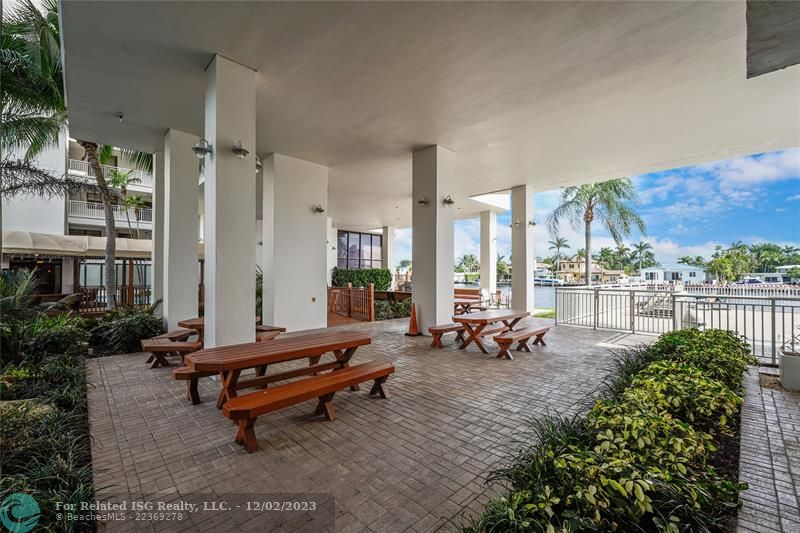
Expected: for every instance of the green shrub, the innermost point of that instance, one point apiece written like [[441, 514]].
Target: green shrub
[[722, 355], [44, 442], [381, 277], [121, 330], [62, 334], [639, 459], [387, 310]]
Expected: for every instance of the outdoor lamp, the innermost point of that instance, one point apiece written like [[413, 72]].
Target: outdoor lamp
[[240, 152], [318, 209], [448, 200], [202, 148], [532, 222], [423, 201], [259, 164]]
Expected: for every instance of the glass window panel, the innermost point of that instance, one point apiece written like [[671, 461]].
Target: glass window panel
[[92, 275], [341, 245], [366, 263], [352, 263], [376, 263], [353, 252], [342, 262], [366, 247], [376, 247]]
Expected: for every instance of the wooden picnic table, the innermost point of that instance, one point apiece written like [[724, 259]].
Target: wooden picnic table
[[476, 323], [464, 305], [229, 361], [199, 324]]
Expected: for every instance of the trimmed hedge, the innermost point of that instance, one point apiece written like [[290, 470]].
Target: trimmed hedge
[[386, 310], [641, 458], [381, 277]]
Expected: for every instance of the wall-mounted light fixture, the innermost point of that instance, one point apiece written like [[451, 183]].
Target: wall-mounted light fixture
[[514, 224], [532, 223], [202, 149], [423, 201], [239, 151], [120, 117], [448, 200], [317, 209], [259, 164]]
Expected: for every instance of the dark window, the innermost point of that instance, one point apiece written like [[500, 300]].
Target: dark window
[[358, 250]]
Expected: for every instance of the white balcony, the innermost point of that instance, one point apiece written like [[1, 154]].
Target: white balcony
[[92, 213], [140, 181]]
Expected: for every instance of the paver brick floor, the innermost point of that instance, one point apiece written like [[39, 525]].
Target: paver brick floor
[[412, 462]]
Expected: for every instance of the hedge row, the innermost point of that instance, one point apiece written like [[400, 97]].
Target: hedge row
[[381, 277], [641, 458]]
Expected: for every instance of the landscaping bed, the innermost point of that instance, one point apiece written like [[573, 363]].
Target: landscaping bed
[[658, 451]]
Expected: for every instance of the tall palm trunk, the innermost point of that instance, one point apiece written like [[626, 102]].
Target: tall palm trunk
[[588, 259], [109, 270]]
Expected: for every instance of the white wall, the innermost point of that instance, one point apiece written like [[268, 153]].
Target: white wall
[[295, 288], [40, 215]]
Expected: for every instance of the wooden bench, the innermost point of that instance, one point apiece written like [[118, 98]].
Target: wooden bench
[[438, 331], [159, 348], [177, 335], [504, 340], [247, 408]]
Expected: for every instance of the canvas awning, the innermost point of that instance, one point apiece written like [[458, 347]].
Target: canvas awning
[[30, 243]]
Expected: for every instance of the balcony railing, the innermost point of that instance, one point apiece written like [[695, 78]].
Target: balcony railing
[[141, 178], [95, 210]]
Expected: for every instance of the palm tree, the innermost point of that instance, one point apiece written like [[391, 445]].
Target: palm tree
[[34, 37], [606, 202], [558, 244], [639, 252], [469, 263], [606, 257], [134, 202]]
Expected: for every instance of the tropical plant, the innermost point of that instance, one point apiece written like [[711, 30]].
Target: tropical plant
[[558, 244], [404, 264], [606, 202], [640, 251], [19, 310], [468, 263], [503, 268], [381, 277], [122, 329]]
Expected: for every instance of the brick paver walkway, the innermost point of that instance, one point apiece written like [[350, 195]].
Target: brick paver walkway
[[770, 457], [412, 462]]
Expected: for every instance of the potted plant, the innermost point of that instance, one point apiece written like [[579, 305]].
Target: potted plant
[[790, 363]]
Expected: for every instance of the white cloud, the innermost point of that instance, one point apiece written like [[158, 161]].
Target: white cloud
[[793, 198], [749, 171]]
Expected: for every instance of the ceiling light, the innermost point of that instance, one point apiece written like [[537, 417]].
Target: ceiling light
[[201, 149]]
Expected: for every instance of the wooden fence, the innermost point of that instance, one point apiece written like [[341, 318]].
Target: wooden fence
[[358, 303], [94, 300]]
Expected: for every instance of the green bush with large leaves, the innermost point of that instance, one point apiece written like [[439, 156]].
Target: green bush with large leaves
[[641, 458], [381, 277], [387, 310], [121, 330]]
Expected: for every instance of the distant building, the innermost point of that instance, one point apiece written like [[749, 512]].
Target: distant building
[[572, 271], [781, 275], [675, 273]]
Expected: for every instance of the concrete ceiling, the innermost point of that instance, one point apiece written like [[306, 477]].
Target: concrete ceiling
[[546, 94]]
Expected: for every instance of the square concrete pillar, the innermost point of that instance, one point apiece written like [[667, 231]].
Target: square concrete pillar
[[157, 256], [180, 278], [230, 204], [433, 178], [489, 251], [523, 263], [295, 241]]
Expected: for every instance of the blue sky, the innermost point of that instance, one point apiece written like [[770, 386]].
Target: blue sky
[[688, 211]]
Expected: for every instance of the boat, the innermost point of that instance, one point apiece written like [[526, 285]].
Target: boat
[[547, 281]]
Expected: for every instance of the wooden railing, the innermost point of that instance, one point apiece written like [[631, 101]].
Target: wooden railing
[[93, 299], [358, 303]]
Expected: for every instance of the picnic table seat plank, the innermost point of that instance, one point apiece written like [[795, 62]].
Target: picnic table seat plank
[[177, 335], [159, 348], [438, 331], [247, 408], [505, 340]]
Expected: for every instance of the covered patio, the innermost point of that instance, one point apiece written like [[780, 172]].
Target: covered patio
[[412, 462]]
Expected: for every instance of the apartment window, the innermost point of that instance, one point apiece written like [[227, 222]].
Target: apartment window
[[359, 250], [692, 274], [650, 276]]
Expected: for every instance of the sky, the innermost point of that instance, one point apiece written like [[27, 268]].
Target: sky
[[688, 211]]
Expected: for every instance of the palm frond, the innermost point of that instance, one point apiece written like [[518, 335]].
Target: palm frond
[[22, 177]]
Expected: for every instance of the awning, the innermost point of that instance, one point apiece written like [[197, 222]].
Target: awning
[[30, 243]]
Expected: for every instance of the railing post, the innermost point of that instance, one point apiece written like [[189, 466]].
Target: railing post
[[674, 312], [372, 302], [596, 307], [772, 315], [632, 307], [555, 295], [349, 299]]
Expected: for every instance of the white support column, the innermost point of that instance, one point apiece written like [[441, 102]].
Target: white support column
[[331, 249], [489, 251], [295, 236], [433, 178], [230, 205], [157, 256], [181, 172], [387, 250], [522, 257]]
